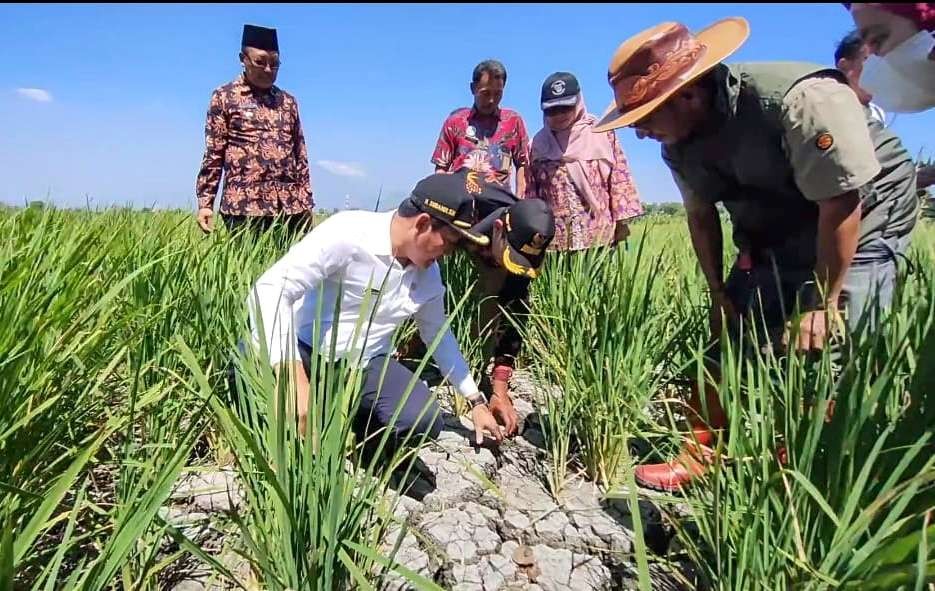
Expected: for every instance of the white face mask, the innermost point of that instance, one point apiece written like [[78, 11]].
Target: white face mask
[[903, 81]]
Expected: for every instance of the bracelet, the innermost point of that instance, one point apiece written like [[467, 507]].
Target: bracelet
[[502, 373]]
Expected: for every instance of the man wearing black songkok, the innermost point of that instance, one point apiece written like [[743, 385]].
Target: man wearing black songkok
[[253, 135]]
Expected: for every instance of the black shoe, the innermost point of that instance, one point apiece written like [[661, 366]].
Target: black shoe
[[413, 479]]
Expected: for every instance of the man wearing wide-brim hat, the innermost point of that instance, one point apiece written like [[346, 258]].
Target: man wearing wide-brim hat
[[821, 197]]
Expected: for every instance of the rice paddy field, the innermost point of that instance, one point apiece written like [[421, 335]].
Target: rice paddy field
[[117, 329]]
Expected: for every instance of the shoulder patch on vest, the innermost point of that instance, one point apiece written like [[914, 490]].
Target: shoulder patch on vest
[[824, 141]]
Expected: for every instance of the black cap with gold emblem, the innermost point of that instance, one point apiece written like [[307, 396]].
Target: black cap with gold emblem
[[530, 227], [449, 198]]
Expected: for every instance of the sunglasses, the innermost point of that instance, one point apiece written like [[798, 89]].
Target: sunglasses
[[262, 65], [553, 111]]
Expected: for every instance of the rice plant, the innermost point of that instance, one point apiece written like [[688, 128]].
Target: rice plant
[[827, 478], [117, 334], [118, 329], [602, 328]]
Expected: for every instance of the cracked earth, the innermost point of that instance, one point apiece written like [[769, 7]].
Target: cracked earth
[[489, 524]]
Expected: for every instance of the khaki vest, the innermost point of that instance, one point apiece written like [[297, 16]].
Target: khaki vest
[[744, 165]]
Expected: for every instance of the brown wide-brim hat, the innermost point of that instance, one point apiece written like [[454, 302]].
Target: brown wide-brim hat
[[653, 65]]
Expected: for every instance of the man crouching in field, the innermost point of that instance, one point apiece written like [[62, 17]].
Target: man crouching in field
[[821, 197], [518, 232], [360, 260]]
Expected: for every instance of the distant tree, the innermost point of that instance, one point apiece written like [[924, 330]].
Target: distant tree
[[665, 209], [672, 208], [37, 204]]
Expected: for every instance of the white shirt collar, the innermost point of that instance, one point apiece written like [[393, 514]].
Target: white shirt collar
[[382, 244]]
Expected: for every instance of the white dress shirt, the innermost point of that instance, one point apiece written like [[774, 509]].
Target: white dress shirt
[[355, 246]]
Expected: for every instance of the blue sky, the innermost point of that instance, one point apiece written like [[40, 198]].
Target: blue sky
[[106, 103]]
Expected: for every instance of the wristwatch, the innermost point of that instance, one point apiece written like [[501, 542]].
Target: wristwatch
[[476, 399], [810, 297]]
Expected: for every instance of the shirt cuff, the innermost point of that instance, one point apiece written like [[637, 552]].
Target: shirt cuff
[[466, 386], [205, 202], [284, 353]]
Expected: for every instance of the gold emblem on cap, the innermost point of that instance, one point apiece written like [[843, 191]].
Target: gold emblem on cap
[[472, 184]]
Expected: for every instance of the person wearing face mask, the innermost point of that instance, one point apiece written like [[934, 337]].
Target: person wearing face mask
[[583, 176], [900, 73], [849, 57], [901, 70]]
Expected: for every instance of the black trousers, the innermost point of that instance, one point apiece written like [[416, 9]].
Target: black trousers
[[381, 395], [296, 224]]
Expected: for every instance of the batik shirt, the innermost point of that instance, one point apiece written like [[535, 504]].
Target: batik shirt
[[579, 224], [255, 138], [491, 145]]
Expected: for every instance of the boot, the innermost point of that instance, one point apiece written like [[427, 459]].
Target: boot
[[696, 454]]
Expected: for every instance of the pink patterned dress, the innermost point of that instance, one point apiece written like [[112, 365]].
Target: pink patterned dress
[[577, 224]]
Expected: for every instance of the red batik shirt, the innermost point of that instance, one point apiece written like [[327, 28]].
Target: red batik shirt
[[255, 137], [492, 145]]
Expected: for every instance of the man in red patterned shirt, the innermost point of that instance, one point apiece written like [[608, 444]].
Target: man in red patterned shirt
[[254, 136], [485, 137]]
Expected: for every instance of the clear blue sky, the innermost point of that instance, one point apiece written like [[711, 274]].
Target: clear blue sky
[[126, 87]]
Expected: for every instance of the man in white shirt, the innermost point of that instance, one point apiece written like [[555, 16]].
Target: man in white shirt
[[387, 263]]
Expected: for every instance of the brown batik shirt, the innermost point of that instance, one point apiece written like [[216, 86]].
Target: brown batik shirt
[[255, 137]]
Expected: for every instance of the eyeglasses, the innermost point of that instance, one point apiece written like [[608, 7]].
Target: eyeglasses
[[555, 111], [263, 64]]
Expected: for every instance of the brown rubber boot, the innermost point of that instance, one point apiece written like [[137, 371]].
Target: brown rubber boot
[[696, 454]]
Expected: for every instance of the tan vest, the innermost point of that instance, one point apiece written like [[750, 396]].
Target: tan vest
[[744, 164]]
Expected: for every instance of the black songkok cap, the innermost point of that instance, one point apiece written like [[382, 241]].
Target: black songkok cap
[[259, 38]]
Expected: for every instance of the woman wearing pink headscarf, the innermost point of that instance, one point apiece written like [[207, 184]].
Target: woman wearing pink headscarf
[[582, 175]]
